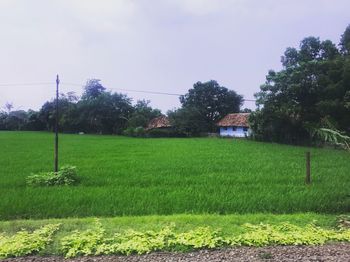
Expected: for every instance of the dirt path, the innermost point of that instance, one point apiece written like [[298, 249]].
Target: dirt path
[[334, 252]]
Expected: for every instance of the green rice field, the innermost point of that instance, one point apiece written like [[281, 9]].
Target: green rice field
[[123, 176]]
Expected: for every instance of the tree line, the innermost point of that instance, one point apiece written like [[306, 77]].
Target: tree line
[[307, 101], [311, 94], [102, 112]]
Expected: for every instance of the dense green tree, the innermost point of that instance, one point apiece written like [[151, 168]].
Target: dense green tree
[[329, 50], [106, 113], [309, 49], [16, 120], [209, 102], [188, 121], [290, 57], [142, 114], [20, 119], [246, 110], [66, 104], [93, 88], [345, 41], [3, 117], [311, 89], [97, 111], [34, 123]]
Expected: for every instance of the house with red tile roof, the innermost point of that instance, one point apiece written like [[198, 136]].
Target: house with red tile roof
[[234, 125], [160, 122]]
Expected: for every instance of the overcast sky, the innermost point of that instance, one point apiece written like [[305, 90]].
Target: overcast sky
[[156, 45]]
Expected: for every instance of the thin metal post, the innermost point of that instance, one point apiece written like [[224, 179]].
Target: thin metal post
[[308, 168], [56, 125]]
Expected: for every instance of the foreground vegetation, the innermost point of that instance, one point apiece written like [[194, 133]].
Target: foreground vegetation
[[125, 180], [129, 176], [127, 235]]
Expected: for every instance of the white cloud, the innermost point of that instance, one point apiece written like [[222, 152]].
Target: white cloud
[[200, 7], [103, 15], [162, 45]]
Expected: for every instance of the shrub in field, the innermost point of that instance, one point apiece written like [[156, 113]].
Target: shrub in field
[[139, 132], [152, 133], [95, 242], [136, 242], [26, 243], [67, 175], [201, 237], [158, 132], [287, 234], [83, 243], [129, 131], [134, 132]]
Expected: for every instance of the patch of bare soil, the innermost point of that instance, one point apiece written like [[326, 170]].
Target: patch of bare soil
[[332, 252]]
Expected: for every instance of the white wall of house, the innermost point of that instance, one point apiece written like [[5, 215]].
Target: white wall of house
[[234, 131]]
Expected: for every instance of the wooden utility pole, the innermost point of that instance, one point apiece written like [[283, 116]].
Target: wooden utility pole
[[56, 125], [308, 168]]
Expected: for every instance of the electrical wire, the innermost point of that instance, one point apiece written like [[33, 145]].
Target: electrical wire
[[147, 92], [115, 89], [27, 84]]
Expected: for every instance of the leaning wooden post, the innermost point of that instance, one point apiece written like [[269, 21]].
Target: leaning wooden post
[[308, 168]]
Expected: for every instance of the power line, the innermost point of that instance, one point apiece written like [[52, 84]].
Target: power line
[[147, 92], [143, 91], [115, 89], [71, 84], [130, 90], [27, 84]]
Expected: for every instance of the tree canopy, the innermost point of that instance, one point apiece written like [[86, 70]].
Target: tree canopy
[[203, 105], [93, 88], [311, 91], [97, 111], [103, 112], [142, 114]]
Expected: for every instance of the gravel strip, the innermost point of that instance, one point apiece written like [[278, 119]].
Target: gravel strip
[[333, 252]]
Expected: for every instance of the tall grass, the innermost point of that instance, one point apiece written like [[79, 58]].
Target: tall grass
[[132, 176]]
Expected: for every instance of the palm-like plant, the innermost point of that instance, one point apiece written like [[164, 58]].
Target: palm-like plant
[[331, 136]]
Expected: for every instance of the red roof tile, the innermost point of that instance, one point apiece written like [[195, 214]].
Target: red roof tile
[[159, 122], [236, 119]]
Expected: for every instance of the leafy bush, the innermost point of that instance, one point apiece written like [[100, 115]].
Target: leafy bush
[[153, 133], [67, 175], [159, 132], [201, 237], [287, 234], [137, 242], [129, 131], [26, 243], [139, 132], [83, 243], [95, 242], [134, 132]]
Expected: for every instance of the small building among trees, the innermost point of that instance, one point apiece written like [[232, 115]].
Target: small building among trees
[[234, 125], [160, 122]]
